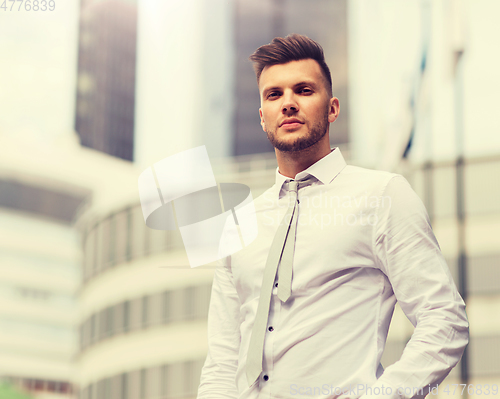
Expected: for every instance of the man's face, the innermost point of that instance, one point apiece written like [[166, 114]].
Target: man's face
[[296, 108]]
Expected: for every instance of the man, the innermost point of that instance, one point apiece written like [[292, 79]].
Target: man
[[360, 240]]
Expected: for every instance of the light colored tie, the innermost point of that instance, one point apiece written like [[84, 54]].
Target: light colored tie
[[281, 252]]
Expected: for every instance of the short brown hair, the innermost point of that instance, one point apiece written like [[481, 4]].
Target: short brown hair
[[294, 47]]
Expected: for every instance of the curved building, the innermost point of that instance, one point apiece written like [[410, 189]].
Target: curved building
[[41, 192], [143, 309]]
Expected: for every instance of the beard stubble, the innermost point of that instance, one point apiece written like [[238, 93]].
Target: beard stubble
[[315, 134]]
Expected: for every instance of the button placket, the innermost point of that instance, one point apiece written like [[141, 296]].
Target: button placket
[[270, 342]]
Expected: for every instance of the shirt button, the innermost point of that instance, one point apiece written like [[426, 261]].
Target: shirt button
[[266, 377], [275, 285], [271, 328]]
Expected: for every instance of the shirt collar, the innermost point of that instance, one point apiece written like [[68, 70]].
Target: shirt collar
[[325, 170]]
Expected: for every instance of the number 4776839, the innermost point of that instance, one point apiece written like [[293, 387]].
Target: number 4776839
[[29, 5]]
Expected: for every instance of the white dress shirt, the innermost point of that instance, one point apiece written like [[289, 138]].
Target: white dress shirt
[[364, 241]]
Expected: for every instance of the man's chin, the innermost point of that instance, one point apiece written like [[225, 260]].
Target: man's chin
[[297, 145], [287, 143]]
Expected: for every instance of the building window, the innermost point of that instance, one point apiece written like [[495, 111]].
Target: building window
[[157, 240], [121, 233], [105, 244], [129, 236], [100, 389], [189, 382], [177, 305], [204, 299], [102, 324], [110, 319], [138, 232], [93, 329], [111, 258], [107, 387], [98, 267], [155, 309], [163, 381], [165, 311], [126, 316], [82, 342], [143, 384], [145, 312], [135, 314], [190, 302], [124, 386], [89, 259]]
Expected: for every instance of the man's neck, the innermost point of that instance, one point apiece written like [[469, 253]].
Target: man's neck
[[292, 163]]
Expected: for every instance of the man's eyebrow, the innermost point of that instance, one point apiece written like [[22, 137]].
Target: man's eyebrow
[[305, 83], [268, 89], [299, 84]]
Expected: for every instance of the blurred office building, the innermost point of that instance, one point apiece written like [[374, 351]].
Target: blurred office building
[[142, 319], [98, 305], [47, 194], [143, 331], [40, 256], [143, 325], [105, 96], [40, 195], [185, 78], [422, 77]]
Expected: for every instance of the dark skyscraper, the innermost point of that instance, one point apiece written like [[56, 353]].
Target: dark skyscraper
[[106, 76], [257, 23]]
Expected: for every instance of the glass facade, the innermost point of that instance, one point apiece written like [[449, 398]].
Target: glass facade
[[178, 380], [123, 237], [105, 99], [155, 309]]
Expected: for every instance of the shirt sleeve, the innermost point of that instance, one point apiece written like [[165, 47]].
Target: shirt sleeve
[[408, 253], [218, 376]]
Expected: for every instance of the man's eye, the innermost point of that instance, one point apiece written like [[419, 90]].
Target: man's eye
[[273, 94], [305, 91]]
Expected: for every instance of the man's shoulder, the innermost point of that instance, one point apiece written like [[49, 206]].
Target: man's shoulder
[[368, 177], [371, 173]]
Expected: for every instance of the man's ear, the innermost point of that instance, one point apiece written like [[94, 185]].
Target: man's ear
[[334, 110], [262, 123]]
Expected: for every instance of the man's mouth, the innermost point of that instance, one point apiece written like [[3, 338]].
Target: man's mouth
[[291, 123]]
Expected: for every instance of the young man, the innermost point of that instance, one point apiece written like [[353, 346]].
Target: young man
[[305, 309]]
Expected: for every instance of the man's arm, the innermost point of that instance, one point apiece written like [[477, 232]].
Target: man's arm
[[218, 376], [408, 253]]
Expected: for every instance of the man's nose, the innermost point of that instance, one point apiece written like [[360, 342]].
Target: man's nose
[[289, 104]]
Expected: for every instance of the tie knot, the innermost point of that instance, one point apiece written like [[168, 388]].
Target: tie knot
[[295, 185]]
